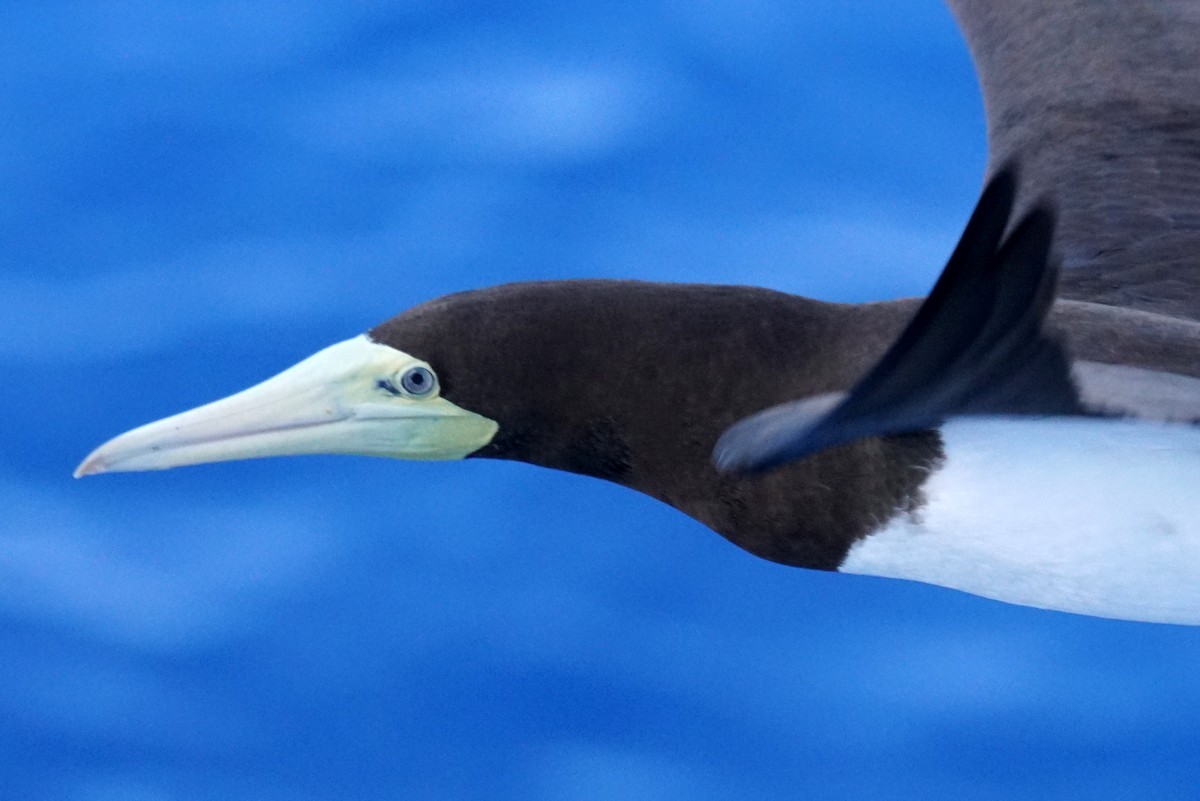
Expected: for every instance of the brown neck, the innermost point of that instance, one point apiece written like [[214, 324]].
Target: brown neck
[[633, 383]]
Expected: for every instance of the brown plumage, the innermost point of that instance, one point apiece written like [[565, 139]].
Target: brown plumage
[[633, 382]]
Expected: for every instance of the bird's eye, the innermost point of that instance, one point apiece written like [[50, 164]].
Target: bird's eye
[[418, 381]]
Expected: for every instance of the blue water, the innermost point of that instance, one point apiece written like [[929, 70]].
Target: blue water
[[196, 195]]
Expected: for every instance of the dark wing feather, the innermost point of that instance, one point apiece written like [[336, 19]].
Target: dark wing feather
[[975, 346], [1100, 101]]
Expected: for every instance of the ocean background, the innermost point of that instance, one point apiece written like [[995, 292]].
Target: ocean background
[[195, 195]]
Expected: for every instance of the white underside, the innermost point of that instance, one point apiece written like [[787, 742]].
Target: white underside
[[1099, 517]]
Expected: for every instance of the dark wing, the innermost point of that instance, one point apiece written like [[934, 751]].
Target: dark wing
[[1100, 100], [976, 346]]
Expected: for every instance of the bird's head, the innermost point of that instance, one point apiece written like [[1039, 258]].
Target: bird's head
[[562, 374], [627, 381]]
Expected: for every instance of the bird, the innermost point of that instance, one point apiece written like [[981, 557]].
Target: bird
[[1026, 433]]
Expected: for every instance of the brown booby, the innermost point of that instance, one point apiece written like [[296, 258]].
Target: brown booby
[[993, 440]]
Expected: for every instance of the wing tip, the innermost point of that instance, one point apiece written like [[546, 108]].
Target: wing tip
[[776, 435], [746, 447]]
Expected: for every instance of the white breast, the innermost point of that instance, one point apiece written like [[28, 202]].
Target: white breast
[[1099, 517]]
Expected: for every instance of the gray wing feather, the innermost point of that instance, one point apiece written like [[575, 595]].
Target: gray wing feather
[[1100, 102], [1125, 391]]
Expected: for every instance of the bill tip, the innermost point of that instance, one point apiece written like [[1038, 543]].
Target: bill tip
[[89, 467]]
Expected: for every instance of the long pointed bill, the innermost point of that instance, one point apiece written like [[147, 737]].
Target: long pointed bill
[[345, 399]]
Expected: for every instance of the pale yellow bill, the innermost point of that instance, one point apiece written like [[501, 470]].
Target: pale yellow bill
[[332, 402]]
